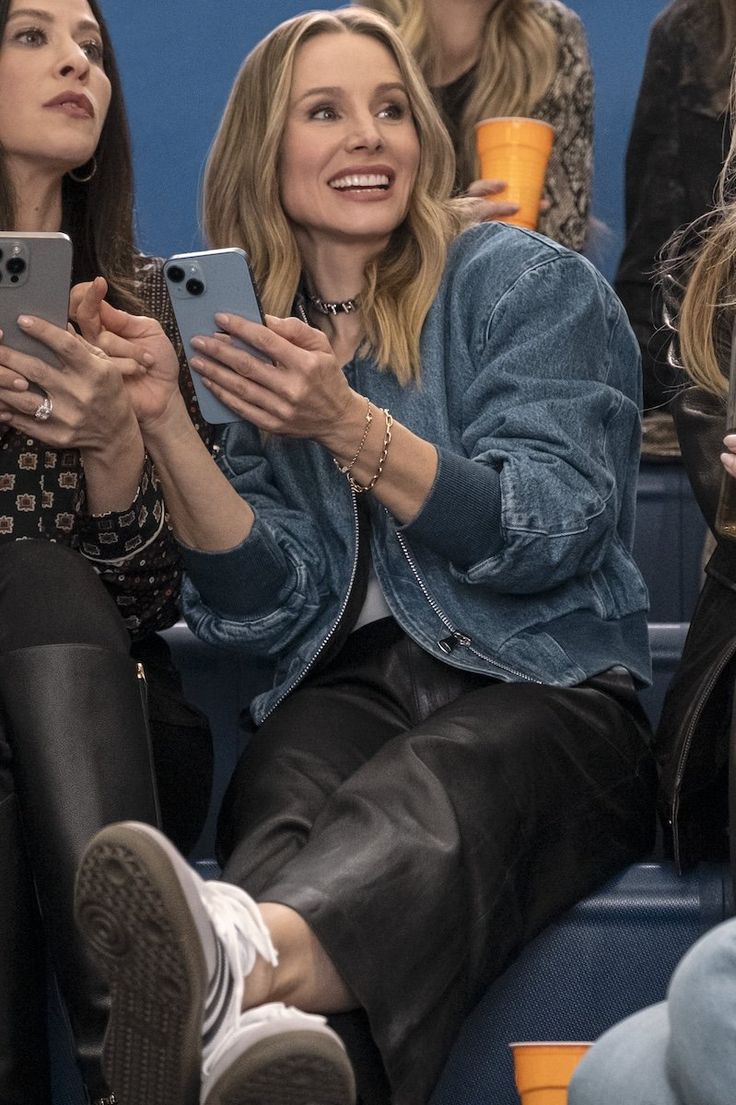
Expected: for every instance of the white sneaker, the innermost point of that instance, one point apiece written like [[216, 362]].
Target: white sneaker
[[175, 951]]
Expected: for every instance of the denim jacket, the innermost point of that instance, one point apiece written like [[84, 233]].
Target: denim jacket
[[519, 563]]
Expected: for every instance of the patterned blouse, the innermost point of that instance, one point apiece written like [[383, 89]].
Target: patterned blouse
[[42, 495], [568, 106]]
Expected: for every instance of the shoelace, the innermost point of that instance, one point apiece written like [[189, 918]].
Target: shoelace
[[242, 935]]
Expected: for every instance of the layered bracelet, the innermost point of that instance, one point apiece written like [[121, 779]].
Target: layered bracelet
[[346, 469], [359, 488]]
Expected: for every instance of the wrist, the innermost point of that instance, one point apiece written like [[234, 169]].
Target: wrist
[[345, 438]]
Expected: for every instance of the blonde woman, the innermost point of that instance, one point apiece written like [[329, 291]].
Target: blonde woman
[[680, 1052], [424, 514], [510, 57]]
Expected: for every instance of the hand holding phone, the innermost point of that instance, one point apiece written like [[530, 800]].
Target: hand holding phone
[[35, 275], [200, 285]]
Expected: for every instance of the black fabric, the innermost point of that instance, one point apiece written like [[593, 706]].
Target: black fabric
[[427, 822], [695, 730], [678, 141]]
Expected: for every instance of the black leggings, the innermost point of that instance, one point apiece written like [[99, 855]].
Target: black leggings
[[427, 822]]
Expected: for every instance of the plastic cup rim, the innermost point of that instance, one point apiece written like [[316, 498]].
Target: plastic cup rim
[[551, 1043], [513, 119]]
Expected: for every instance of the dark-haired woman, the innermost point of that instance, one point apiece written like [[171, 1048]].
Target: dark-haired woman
[[87, 564]]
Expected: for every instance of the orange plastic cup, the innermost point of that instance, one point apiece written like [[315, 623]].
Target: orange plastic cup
[[516, 150], [543, 1070]]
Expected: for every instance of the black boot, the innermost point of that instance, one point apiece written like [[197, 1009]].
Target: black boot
[[24, 1067], [78, 731]]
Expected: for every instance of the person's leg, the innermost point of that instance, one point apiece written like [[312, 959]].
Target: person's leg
[[24, 1068], [77, 730], [628, 1065], [454, 845], [702, 1013]]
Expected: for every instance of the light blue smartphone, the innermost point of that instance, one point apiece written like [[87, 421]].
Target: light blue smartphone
[[35, 274], [199, 285]]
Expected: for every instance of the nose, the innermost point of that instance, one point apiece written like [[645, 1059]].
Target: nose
[[73, 62], [365, 133]]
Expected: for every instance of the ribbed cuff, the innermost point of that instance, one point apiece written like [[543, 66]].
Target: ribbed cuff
[[461, 516]]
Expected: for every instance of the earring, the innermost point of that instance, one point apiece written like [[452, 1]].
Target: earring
[[75, 174]]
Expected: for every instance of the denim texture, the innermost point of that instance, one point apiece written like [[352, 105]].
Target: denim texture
[[530, 374], [679, 1052]]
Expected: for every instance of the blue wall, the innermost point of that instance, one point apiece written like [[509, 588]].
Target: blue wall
[[178, 61]]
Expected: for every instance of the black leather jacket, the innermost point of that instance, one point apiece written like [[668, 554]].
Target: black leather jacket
[[693, 738]]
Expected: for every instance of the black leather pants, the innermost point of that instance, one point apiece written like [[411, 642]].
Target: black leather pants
[[427, 822], [75, 755]]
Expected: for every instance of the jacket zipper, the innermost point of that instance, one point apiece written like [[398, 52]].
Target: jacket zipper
[[456, 637], [326, 640], [685, 750]]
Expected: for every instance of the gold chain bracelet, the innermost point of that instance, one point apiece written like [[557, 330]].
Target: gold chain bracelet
[[346, 469], [359, 488]]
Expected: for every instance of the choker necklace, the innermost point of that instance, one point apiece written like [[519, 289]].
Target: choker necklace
[[345, 306]]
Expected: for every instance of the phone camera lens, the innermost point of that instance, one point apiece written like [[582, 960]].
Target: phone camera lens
[[175, 274], [16, 265], [194, 286]]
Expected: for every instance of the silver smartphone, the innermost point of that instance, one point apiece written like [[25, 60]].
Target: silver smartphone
[[35, 277], [201, 284]]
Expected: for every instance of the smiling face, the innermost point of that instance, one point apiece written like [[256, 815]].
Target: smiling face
[[54, 92], [350, 153]]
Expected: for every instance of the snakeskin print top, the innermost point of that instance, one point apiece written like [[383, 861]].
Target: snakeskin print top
[[42, 495], [568, 107]]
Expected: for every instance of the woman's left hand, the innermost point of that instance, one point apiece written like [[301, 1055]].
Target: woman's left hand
[[299, 391], [89, 402]]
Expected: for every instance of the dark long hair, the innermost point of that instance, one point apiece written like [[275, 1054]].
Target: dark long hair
[[97, 215]]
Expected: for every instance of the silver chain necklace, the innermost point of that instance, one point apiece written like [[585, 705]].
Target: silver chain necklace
[[342, 306]]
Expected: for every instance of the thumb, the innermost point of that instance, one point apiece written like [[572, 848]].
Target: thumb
[[86, 301]]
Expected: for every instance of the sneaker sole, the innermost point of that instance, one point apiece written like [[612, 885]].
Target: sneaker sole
[[131, 908], [291, 1068]]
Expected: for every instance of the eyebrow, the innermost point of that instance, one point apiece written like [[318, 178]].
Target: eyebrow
[[47, 17], [335, 90]]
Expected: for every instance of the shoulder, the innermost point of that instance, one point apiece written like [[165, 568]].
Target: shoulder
[[562, 19], [685, 17], [496, 258]]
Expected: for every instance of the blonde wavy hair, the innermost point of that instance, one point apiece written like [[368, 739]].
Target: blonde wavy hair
[[241, 204], [518, 60], [708, 308]]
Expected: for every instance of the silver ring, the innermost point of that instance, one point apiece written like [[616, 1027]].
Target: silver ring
[[45, 409]]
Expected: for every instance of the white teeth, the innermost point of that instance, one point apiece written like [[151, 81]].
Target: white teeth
[[364, 180]]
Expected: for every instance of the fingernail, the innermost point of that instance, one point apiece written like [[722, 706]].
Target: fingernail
[[20, 385], [196, 363], [25, 320], [222, 320], [198, 343], [148, 359]]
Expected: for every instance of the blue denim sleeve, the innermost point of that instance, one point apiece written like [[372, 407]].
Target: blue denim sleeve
[[461, 516]]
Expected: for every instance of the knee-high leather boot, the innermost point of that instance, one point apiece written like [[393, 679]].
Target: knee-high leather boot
[[24, 1069], [78, 731]]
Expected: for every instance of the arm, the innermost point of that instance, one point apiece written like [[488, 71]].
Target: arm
[[568, 106], [655, 207]]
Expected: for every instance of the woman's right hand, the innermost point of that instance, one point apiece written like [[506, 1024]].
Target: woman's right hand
[[486, 208], [120, 334], [728, 458]]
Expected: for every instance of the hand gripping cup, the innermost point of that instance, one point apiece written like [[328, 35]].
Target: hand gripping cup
[[516, 150], [543, 1070]]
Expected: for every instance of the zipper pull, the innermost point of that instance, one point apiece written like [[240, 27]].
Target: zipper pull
[[449, 644]]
